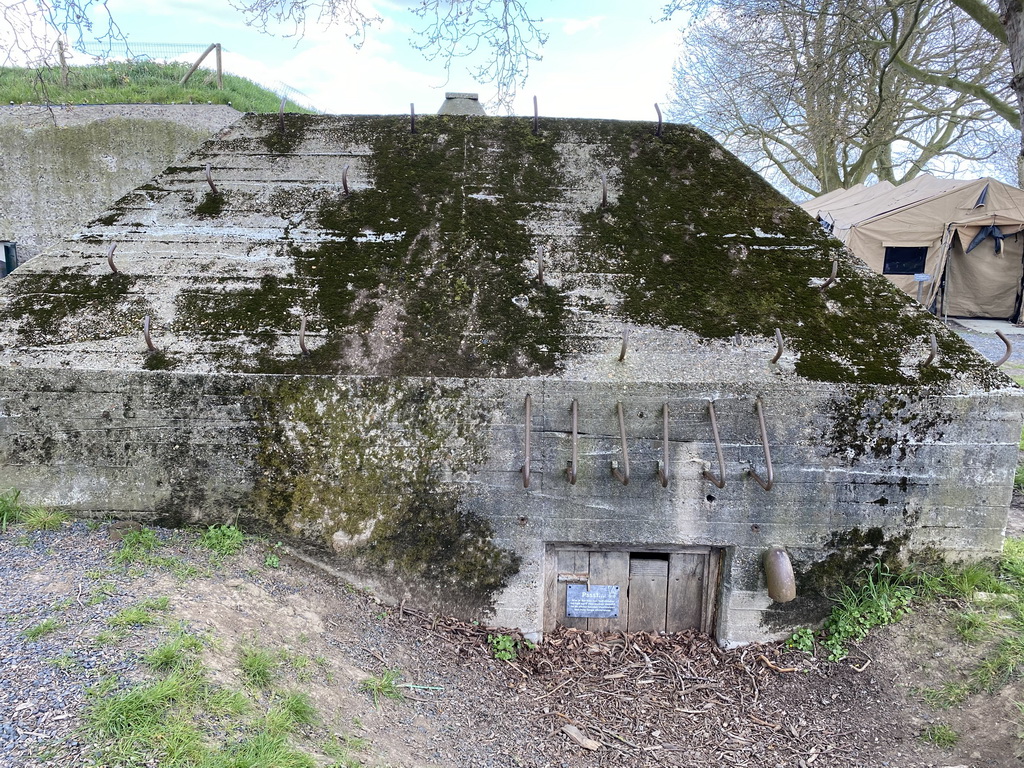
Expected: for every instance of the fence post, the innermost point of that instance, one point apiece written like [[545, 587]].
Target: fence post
[[199, 61], [220, 71]]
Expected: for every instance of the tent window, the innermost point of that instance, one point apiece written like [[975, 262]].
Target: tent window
[[904, 260]]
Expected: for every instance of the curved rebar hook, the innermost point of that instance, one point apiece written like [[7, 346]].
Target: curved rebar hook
[[663, 464], [831, 278], [1009, 349], [145, 334], [718, 482], [778, 343], [604, 190], [525, 469], [933, 353], [344, 178], [110, 257], [622, 477], [766, 484], [571, 469], [302, 337], [540, 264], [658, 110], [209, 180], [625, 344]]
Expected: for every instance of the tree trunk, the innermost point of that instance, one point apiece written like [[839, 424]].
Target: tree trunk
[[1013, 19]]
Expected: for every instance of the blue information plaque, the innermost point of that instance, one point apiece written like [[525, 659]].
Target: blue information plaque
[[600, 601]]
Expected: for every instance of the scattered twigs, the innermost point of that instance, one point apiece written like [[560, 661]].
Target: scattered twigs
[[209, 180], [658, 110], [110, 257], [1009, 349], [771, 665]]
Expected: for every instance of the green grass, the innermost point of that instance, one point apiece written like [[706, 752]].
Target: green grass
[[941, 736], [383, 686], [136, 547], [222, 540], [175, 653], [11, 509], [134, 83], [140, 614], [882, 599], [43, 519], [286, 715], [258, 665], [42, 629]]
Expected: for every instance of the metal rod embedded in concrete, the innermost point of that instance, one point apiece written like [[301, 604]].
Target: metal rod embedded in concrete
[[536, 118], [412, 118], [209, 180], [302, 336], [145, 334], [344, 178], [604, 190], [625, 344], [658, 110], [934, 351], [623, 476], [571, 470], [831, 278], [766, 484], [525, 469], [1009, 349], [110, 257], [719, 482], [778, 343], [540, 263], [280, 114], [663, 464]]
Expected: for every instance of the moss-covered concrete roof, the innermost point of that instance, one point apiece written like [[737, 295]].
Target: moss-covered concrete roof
[[429, 265]]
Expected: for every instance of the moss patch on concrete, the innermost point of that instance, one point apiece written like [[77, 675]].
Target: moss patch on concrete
[[361, 466], [211, 206], [882, 423]]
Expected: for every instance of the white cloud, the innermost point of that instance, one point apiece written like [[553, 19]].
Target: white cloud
[[573, 26]]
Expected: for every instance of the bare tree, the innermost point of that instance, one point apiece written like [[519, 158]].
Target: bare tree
[[825, 94]]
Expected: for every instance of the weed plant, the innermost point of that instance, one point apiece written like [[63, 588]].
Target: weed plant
[[42, 629], [383, 686], [222, 540], [258, 665], [941, 736], [11, 510], [883, 599], [43, 519], [137, 547]]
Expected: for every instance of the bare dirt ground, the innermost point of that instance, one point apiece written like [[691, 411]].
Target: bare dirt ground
[[578, 700]]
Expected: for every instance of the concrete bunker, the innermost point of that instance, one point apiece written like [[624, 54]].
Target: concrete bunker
[[346, 333]]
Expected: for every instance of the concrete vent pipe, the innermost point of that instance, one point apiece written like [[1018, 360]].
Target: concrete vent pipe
[[779, 570]]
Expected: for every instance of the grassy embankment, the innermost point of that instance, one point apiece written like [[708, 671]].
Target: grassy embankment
[[140, 82]]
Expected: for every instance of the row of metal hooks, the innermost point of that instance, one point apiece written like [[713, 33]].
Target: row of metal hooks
[[622, 471]]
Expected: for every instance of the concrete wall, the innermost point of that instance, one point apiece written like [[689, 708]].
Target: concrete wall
[[341, 463], [64, 165]]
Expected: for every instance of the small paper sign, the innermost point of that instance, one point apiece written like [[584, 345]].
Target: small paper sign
[[922, 277]]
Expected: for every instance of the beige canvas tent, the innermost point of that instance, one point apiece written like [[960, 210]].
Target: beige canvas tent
[[966, 236]]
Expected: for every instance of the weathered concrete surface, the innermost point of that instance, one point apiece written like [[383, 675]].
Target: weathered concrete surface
[[62, 165], [397, 443]]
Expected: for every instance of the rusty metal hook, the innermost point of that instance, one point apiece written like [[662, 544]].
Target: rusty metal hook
[[933, 353], [570, 471], [778, 343], [145, 334], [625, 344], [622, 477], [536, 118], [663, 464], [718, 482], [658, 110], [766, 484], [412, 117], [831, 278], [344, 178], [604, 190], [302, 336], [1009, 349], [209, 180], [110, 257], [525, 469], [540, 263]]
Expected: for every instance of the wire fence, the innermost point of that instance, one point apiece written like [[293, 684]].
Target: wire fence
[[164, 52]]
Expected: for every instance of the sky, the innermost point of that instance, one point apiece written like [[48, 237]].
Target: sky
[[603, 58]]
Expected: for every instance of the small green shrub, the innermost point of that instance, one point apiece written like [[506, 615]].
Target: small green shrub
[[883, 599], [11, 510], [223, 540], [801, 640], [272, 561], [507, 648], [43, 519], [136, 547]]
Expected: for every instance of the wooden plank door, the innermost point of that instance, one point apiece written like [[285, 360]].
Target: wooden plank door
[[648, 593], [687, 580], [611, 568], [573, 567]]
